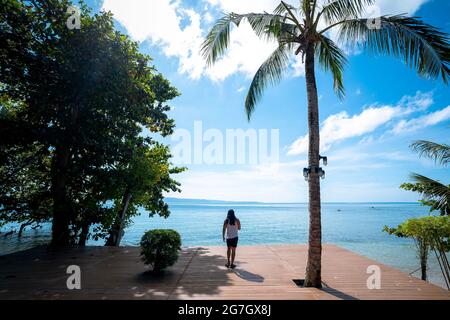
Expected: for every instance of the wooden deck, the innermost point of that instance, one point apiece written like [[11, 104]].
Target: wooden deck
[[264, 272]]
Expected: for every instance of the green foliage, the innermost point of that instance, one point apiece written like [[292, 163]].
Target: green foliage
[[25, 184], [425, 229], [160, 248], [271, 71], [435, 194], [146, 176], [428, 233], [333, 59], [338, 10], [73, 107]]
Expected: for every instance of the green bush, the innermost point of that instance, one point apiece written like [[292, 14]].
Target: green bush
[[160, 248]]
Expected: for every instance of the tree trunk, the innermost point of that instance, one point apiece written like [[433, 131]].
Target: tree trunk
[[313, 268], [423, 248], [22, 228], [423, 267], [61, 210], [116, 233], [83, 235]]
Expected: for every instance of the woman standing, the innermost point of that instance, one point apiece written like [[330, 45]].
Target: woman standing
[[231, 226]]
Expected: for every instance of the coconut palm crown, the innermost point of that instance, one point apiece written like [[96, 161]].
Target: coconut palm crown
[[305, 30], [437, 193]]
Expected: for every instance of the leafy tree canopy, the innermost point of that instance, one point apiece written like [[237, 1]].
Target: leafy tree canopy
[[73, 106], [425, 228]]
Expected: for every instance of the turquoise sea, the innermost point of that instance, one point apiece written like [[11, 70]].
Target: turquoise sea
[[355, 226]]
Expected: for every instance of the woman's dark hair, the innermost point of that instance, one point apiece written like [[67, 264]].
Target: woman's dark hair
[[231, 217]]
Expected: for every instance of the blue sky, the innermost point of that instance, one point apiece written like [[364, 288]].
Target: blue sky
[[365, 136]]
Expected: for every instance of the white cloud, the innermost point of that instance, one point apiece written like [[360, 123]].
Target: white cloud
[[245, 54], [246, 6], [419, 102], [283, 182], [241, 89], [208, 17], [422, 122], [341, 126], [180, 31], [298, 66], [161, 22], [265, 183]]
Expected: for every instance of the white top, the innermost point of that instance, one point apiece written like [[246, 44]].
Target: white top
[[232, 231]]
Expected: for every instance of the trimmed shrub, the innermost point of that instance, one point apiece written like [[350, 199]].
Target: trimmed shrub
[[160, 248]]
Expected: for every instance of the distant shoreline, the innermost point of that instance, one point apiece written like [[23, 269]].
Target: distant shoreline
[[171, 200]]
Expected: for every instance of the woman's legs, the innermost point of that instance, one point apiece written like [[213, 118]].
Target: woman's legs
[[233, 255], [228, 255]]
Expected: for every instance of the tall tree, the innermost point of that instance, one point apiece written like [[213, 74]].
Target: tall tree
[[428, 233], [74, 98], [139, 183], [306, 30]]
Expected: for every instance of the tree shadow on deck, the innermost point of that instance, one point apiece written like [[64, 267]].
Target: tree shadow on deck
[[198, 273]]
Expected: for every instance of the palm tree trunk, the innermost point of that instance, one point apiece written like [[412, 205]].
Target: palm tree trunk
[[313, 268]]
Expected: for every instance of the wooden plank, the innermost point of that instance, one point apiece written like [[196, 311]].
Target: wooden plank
[[263, 273]]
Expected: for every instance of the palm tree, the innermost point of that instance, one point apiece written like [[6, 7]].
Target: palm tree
[[440, 153], [305, 30], [436, 193]]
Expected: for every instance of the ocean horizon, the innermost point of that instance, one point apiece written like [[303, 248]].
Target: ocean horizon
[[354, 226]]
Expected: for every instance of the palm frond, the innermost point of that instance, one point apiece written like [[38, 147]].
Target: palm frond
[[290, 13], [332, 58], [306, 8], [282, 9], [265, 25], [440, 153], [271, 26], [218, 39], [269, 73], [420, 45], [338, 10], [433, 189]]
